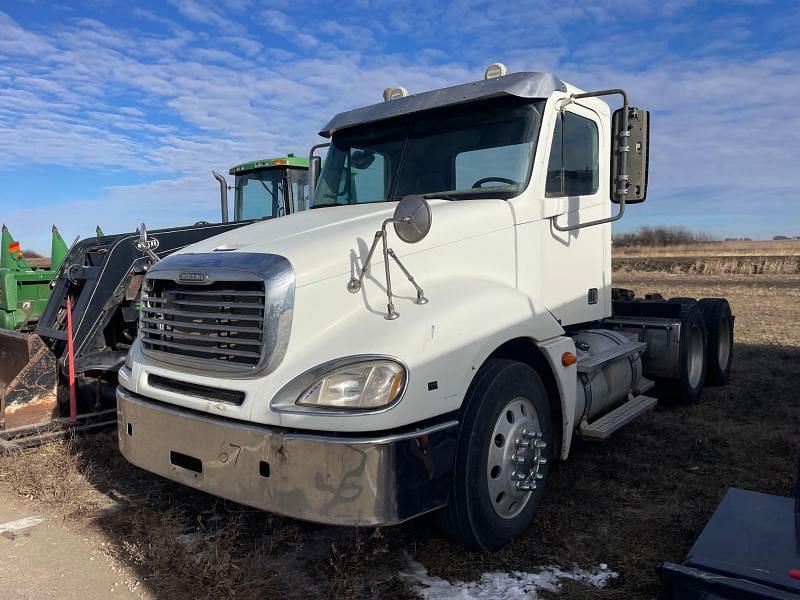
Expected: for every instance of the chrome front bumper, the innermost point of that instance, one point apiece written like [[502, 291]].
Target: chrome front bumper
[[376, 480]]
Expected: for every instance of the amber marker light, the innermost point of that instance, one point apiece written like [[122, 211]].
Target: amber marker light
[[568, 358]]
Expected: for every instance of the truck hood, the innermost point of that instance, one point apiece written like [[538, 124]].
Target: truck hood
[[325, 242]]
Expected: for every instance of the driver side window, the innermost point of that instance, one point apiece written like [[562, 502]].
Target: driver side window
[[573, 168], [364, 180]]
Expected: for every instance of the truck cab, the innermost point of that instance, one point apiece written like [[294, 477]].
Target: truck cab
[[432, 333]]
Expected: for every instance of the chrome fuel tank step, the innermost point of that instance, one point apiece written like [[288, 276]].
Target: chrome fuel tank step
[[603, 427]]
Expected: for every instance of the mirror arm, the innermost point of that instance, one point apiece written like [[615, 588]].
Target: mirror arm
[[421, 299], [621, 145], [355, 283], [616, 217]]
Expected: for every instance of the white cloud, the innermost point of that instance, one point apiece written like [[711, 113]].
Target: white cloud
[[171, 96], [16, 40]]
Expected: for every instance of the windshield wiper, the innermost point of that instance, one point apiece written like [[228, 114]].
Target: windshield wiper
[[326, 205], [440, 196]]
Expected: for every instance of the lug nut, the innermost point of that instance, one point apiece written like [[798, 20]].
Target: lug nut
[[540, 444], [526, 487]]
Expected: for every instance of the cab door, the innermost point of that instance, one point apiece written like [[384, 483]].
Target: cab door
[[576, 264]]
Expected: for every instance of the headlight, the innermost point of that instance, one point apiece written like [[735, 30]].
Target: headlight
[[362, 385]]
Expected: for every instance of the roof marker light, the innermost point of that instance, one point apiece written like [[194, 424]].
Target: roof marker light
[[495, 70], [394, 93]]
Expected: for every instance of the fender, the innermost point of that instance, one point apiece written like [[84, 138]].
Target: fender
[[565, 377], [443, 344], [546, 333]]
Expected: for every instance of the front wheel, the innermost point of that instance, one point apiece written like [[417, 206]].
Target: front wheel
[[504, 455]]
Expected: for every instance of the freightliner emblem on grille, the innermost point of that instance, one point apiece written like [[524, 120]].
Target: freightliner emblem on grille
[[192, 277]]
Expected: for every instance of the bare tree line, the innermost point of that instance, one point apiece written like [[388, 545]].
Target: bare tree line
[[661, 236]]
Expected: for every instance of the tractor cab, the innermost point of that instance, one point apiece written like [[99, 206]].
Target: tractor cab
[[269, 188]]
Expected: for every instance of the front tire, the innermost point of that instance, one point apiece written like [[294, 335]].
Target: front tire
[[503, 460]]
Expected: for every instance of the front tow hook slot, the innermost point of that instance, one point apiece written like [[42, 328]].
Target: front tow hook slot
[[190, 463]]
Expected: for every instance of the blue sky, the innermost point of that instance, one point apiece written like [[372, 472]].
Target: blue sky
[[115, 112]]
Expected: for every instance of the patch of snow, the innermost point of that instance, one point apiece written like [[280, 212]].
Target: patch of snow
[[501, 585], [188, 538], [23, 523]]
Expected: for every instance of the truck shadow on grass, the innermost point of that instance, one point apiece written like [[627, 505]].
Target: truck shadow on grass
[[631, 502]]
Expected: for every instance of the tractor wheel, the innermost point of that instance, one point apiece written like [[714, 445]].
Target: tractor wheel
[[505, 446]]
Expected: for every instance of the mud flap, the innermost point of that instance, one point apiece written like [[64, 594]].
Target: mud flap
[[28, 379]]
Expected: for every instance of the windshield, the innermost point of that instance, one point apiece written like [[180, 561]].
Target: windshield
[[478, 150], [260, 194]]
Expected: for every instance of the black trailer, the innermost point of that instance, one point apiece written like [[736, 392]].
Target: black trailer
[[749, 549]]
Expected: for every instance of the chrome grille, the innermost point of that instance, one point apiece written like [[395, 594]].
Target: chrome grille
[[221, 322]]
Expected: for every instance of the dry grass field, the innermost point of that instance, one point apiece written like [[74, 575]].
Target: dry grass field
[[714, 249], [630, 503], [713, 258]]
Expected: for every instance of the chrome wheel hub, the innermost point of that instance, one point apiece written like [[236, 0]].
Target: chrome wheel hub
[[516, 456], [724, 343], [696, 357]]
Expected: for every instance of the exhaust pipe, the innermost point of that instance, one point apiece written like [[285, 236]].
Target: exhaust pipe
[[223, 194]]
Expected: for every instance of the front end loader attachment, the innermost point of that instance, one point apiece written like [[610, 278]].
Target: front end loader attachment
[[102, 278], [28, 380]]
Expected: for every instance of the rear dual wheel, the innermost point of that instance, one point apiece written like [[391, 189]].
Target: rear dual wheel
[[719, 325], [712, 316], [692, 361], [503, 460]]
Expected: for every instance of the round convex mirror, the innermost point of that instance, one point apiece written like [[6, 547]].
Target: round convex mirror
[[413, 219], [143, 236]]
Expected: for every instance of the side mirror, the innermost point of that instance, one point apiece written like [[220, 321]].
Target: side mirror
[[314, 169], [412, 219], [146, 246], [223, 194], [638, 140]]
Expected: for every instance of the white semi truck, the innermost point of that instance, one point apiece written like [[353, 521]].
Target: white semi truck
[[433, 333]]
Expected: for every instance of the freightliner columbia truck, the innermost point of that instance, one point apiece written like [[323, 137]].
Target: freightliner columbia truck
[[433, 333]]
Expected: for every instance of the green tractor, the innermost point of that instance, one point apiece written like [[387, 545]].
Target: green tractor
[[25, 288], [100, 281], [272, 187]]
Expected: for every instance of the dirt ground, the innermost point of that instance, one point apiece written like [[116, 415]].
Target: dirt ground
[[631, 502]]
